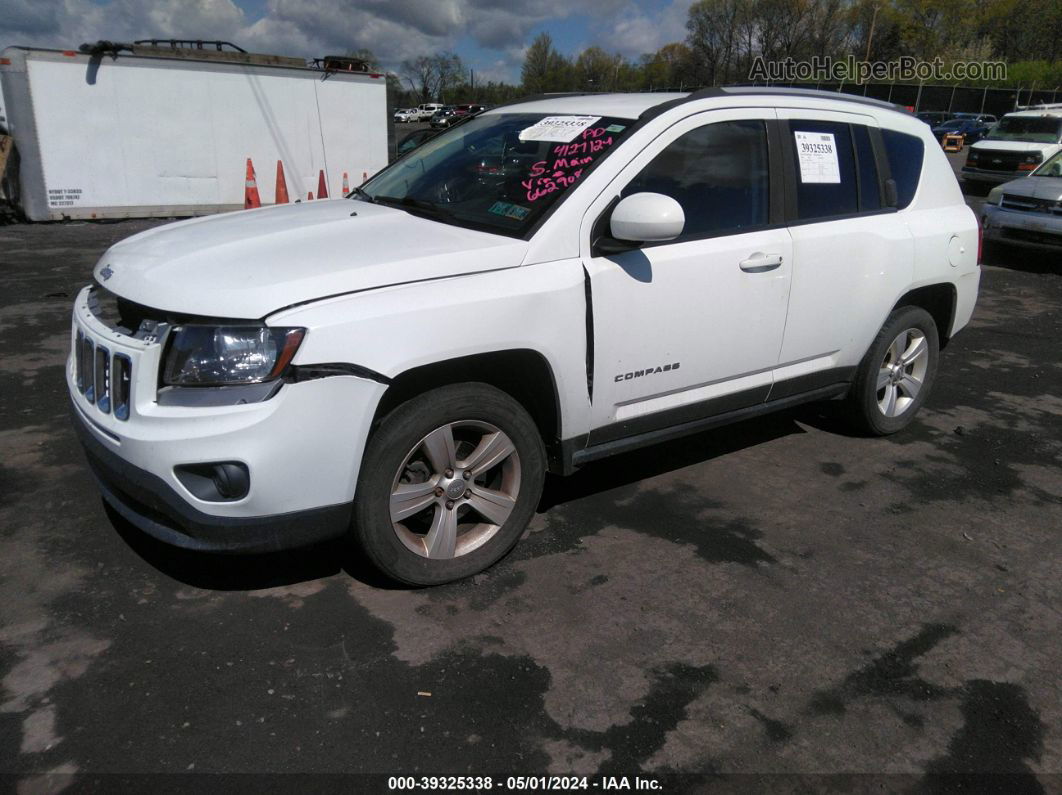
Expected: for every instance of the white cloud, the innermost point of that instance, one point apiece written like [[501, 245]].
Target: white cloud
[[633, 31]]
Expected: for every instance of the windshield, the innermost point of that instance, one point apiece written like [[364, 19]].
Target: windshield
[[952, 125], [1051, 168], [499, 173], [1037, 129]]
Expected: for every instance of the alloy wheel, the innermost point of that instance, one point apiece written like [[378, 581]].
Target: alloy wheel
[[455, 489], [902, 372]]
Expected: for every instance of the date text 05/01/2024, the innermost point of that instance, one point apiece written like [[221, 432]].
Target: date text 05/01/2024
[[522, 783]]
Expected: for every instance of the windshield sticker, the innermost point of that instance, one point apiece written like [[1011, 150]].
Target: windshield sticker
[[817, 153], [615, 128], [509, 210], [557, 128], [566, 164]]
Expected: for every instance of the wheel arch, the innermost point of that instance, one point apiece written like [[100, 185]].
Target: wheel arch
[[522, 373], [939, 300]]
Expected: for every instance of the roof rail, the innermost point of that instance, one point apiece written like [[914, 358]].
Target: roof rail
[[1042, 106], [779, 91], [539, 97], [723, 91], [815, 93]]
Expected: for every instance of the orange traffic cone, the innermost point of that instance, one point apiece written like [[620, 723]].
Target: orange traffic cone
[[282, 185], [346, 184], [309, 195], [250, 191], [322, 188]]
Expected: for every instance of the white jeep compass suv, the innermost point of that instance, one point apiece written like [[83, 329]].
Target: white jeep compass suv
[[550, 283]]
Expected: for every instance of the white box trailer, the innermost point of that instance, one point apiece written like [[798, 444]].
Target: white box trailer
[[167, 131]]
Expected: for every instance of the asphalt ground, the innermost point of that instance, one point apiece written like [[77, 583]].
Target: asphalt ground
[[779, 604]]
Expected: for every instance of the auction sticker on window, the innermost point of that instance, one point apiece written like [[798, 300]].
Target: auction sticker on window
[[817, 153], [557, 128]]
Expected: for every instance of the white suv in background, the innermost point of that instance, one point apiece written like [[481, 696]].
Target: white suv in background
[[548, 284], [1016, 146], [427, 109]]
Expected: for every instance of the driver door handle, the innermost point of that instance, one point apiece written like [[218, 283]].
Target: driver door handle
[[760, 262]]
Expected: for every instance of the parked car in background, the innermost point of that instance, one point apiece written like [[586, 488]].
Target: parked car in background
[[427, 109], [444, 117], [1016, 146], [934, 118], [1027, 211], [404, 115], [620, 273], [970, 130], [987, 119], [468, 110]]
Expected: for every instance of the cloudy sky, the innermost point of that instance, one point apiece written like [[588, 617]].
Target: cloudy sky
[[490, 35]]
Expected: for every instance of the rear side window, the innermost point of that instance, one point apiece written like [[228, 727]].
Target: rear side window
[[905, 153], [718, 173], [826, 184]]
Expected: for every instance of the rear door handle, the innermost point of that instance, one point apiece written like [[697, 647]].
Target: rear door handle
[[760, 262]]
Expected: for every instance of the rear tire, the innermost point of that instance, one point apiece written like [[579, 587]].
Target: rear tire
[[448, 484], [897, 373]]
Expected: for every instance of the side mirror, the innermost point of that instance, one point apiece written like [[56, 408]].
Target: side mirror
[[646, 217]]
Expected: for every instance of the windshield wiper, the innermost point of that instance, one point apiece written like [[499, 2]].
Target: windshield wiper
[[428, 208]]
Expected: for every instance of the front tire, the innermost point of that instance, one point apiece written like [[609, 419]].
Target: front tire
[[897, 373], [448, 484]]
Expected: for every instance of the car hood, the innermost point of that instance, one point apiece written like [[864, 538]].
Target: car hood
[[249, 264], [1049, 188], [1014, 146]]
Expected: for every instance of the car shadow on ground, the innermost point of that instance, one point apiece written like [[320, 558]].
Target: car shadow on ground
[[249, 572], [1017, 258], [659, 459]]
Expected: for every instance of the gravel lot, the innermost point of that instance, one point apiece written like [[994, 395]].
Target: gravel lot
[[775, 597]]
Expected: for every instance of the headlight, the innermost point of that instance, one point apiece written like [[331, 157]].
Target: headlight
[[228, 355], [994, 195]]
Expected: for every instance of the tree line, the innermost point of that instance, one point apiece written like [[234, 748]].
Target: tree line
[[725, 37]]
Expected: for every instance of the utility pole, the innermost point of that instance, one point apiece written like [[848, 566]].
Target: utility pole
[[870, 34]]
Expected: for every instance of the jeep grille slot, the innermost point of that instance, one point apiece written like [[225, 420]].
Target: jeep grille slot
[[121, 378], [79, 361], [85, 361], [102, 379]]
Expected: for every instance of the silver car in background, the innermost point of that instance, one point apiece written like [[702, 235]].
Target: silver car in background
[[1027, 211]]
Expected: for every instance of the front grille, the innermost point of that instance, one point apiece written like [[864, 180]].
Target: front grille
[[102, 378], [1029, 236], [996, 160], [1030, 204]]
